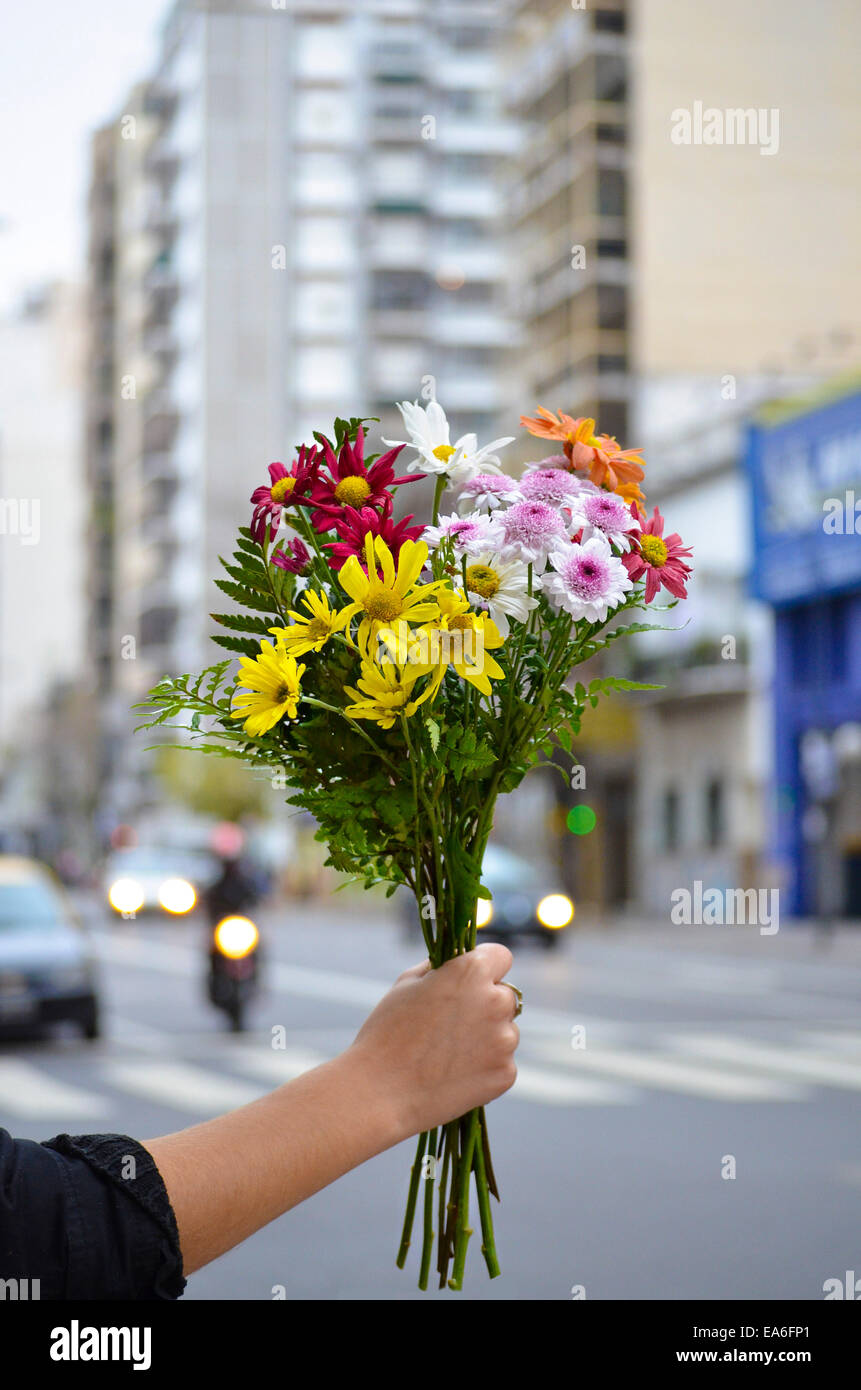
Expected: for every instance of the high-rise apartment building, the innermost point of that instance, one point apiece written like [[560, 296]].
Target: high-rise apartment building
[[296, 215], [567, 82]]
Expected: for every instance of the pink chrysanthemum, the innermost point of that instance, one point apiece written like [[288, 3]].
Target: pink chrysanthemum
[[466, 533], [586, 580], [489, 490], [529, 531], [551, 485], [659, 558], [606, 513]]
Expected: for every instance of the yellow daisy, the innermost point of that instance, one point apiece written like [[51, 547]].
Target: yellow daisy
[[396, 595], [382, 695], [460, 638], [273, 689], [309, 634]]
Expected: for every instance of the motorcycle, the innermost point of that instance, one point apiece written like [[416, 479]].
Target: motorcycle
[[234, 967]]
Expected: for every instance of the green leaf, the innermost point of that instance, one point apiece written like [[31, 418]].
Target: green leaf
[[244, 645], [249, 598], [433, 733], [242, 622]]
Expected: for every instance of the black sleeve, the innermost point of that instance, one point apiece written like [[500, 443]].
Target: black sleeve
[[89, 1217]]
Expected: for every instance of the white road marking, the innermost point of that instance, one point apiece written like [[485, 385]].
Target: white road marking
[[553, 1088], [275, 1064], [794, 1062], [180, 1085], [29, 1091], [656, 1070], [834, 1042]]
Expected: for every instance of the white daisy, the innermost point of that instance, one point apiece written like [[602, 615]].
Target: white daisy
[[587, 580], [428, 431], [501, 586]]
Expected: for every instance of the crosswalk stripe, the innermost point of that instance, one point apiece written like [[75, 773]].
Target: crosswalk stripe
[[29, 1091], [794, 1062], [831, 1042], [553, 1088], [275, 1064], [659, 1071], [180, 1085]]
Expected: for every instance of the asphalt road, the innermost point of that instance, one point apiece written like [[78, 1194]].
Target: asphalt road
[[613, 1158]]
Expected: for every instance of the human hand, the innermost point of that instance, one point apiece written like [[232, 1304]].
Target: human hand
[[442, 1041]]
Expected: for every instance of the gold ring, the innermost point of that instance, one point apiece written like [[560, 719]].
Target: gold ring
[[519, 994]]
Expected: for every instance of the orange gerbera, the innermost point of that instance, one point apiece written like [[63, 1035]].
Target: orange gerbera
[[608, 465], [546, 425], [632, 492]]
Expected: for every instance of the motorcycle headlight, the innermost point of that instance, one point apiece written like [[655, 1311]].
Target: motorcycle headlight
[[555, 911], [483, 912], [126, 895], [177, 895], [236, 937]]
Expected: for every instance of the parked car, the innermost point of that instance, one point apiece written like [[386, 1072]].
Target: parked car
[[525, 900], [154, 879], [47, 973]]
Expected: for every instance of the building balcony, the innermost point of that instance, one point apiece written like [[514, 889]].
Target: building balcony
[[458, 135], [158, 467], [469, 328], [161, 217], [163, 159], [463, 199], [471, 393]]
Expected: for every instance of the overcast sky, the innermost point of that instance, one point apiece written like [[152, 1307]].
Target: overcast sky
[[65, 67]]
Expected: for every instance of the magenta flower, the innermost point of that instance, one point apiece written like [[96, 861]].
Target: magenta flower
[[489, 490], [349, 482], [551, 485], [607, 514], [659, 558], [529, 531], [586, 580], [286, 486], [354, 524], [298, 561]]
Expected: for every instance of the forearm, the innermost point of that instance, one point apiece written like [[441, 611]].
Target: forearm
[[230, 1176]]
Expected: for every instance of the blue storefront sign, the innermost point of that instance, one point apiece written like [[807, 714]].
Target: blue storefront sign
[[804, 467], [806, 477]]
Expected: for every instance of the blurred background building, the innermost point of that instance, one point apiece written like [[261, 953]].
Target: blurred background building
[[311, 208]]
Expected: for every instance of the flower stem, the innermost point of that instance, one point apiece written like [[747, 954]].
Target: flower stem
[[427, 1241], [411, 1201], [488, 1243], [463, 1230], [437, 496]]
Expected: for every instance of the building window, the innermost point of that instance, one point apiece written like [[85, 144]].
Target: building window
[[670, 808], [714, 813]]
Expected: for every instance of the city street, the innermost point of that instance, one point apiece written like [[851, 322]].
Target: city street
[[702, 1055]]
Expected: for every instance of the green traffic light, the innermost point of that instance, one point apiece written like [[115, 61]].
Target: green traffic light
[[580, 820]]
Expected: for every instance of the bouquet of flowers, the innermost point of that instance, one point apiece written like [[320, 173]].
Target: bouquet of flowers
[[401, 676]]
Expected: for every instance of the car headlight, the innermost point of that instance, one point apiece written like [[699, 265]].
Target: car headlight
[[236, 937], [177, 895], [126, 895], [555, 911], [483, 912]]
